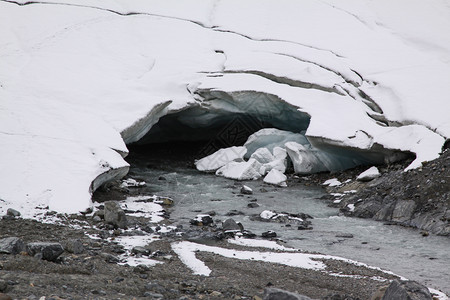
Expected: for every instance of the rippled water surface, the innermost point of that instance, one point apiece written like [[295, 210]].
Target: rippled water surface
[[400, 250]]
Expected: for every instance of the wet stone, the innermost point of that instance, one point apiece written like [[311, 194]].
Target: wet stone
[[202, 220], [269, 234], [245, 190]]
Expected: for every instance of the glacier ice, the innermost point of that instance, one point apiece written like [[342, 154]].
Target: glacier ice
[[275, 177], [270, 138], [247, 170], [262, 155], [220, 158]]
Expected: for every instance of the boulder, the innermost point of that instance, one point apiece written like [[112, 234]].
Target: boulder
[[269, 234], [278, 294], [230, 225], [45, 250], [114, 215], [12, 212], [12, 245], [406, 290]]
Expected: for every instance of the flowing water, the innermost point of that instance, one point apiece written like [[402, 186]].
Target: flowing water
[[400, 250]]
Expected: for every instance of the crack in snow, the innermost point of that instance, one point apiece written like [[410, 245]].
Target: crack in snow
[[288, 81]]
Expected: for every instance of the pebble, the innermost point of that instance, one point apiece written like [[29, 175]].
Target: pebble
[[253, 205]]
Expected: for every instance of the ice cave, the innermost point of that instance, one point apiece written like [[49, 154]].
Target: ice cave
[[258, 126]]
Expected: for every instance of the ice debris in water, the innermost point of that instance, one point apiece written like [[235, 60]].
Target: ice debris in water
[[220, 158], [276, 177], [267, 151]]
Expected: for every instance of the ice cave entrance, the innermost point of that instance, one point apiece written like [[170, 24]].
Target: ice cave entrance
[[198, 132], [210, 130]]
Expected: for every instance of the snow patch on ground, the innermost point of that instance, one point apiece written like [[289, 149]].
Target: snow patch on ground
[[186, 252]]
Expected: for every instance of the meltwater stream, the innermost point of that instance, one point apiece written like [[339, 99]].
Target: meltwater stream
[[400, 250]]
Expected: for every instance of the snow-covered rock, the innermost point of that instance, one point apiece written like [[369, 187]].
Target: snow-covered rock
[[369, 174], [246, 190], [220, 158], [247, 170], [332, 182], [275, 177]]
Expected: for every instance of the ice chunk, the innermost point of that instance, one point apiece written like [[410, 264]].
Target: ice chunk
[[307, 159], [270, 138], [369, 174], [247, 170], [278, 164], [220, 158], [262, 155], [304, 160], [279, 153], [267, 214], [276, 177]]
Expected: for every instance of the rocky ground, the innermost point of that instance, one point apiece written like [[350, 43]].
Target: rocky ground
[[90, 269], [418, 198], [90, 263]]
